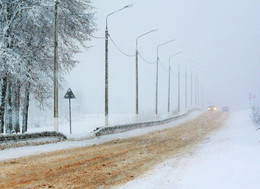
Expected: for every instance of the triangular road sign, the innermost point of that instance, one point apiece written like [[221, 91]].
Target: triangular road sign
[[69, 94]]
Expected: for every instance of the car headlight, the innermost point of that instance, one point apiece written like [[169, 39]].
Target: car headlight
[[215, 109]]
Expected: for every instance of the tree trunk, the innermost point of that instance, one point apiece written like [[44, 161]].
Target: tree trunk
[[16, 107], [26, 108], [8, 118], [2, 105]]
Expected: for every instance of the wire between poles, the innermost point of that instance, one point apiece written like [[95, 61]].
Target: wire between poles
[[96, 37], [148, 62], [119, 48], [162, 66]]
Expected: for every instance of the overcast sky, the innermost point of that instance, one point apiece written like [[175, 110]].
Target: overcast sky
[[221, 36]]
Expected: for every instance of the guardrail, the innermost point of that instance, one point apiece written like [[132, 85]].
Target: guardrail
[[27, 136], [16, 140], [127, 127]]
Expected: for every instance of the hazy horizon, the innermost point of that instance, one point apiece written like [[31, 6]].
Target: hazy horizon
[[221, 36]]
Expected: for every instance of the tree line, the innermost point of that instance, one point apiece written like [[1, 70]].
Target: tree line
[[27, 52]]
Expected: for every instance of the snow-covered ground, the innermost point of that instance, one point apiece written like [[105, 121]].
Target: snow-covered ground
[[32, 150], [84, 124], [229, 159]]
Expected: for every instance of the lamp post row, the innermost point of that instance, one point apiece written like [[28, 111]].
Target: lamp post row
[[106, 71], [137, 73]]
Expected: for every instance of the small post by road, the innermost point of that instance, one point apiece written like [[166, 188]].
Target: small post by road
[[69, 95]]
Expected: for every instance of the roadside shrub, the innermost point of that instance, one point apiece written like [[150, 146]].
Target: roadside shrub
[[256, 115]]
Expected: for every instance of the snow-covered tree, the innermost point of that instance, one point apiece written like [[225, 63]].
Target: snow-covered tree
[[27, 51]]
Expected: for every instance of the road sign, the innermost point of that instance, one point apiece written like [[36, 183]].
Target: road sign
[[69, 95]]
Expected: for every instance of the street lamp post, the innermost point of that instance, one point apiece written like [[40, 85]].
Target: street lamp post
[[169, 81], [179, 89], [196, 90], [136, 71], [192, 84], [106, 62], [191, 89], [201, 96], [186, 85], [199, 89], [156, 86], [56, 67]]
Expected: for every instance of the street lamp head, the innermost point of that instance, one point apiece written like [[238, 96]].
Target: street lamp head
[[128, 6], [175, 54], [154, 30], [162, 45], [179, 52], [165, 43]]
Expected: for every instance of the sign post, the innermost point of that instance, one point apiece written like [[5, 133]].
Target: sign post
[[69, 95]]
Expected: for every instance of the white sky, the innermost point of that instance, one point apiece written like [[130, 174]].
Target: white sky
[[221, 35]]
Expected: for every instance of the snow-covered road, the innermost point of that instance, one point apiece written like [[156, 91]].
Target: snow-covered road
[[34, 150], [229, 159]]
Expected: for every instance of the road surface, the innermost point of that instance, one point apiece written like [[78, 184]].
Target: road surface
[[228, 159], [109, 164]]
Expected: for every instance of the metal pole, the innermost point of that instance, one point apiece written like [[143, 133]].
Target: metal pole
[[186, 90], [106, 77], [136, 80], [191, 88], [195, 90], [198, 93], [169, 86], [201, 96], [137, 76], [156, 88], [106, 62], [70, 115], [56, 67], [169, 89], [179, 91]]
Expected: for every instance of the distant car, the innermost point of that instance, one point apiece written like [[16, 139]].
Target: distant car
[[212, 108], [225, 109]]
